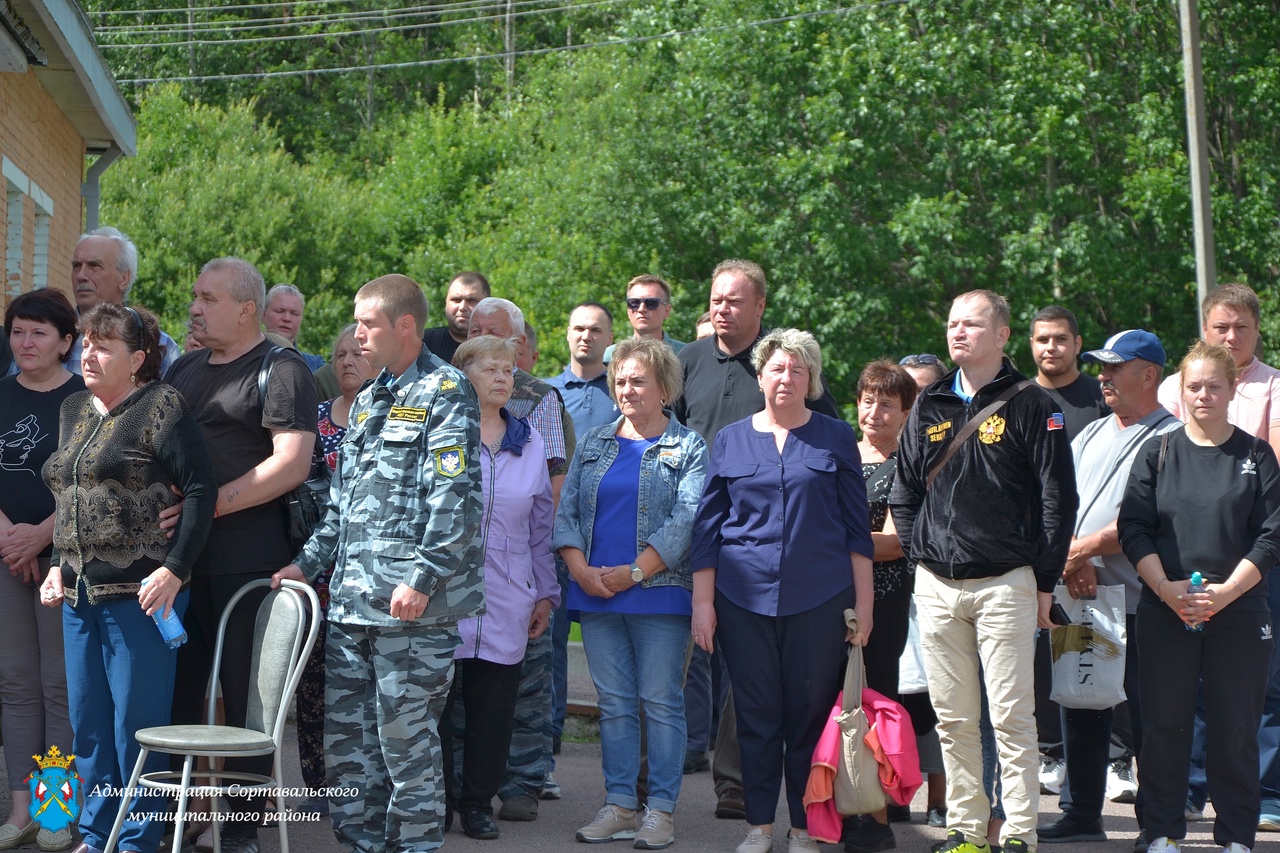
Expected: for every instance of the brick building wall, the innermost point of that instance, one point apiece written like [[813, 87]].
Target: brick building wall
[[43, 157]]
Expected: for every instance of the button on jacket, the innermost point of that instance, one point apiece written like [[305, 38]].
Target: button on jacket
[[405, 501], [671, 474]]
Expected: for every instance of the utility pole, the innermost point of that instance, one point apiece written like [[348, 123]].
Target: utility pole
[[509, 42], [1197, 153]]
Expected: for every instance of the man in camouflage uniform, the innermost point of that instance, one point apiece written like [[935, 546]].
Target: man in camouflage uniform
[[529, 762], [405, 506]]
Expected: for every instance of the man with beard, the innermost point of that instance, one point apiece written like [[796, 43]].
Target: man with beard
[[1055, 346]]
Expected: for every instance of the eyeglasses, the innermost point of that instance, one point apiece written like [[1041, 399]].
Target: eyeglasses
[[650, 303], [922, 358]]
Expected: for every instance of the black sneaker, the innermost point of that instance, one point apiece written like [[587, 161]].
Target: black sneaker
[[870, 837], [1140, 843], [1016, 845], [1067, 829], [898, 814], [479, 825]]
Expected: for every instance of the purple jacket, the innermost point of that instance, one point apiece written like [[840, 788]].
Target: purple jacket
[[519, 569]]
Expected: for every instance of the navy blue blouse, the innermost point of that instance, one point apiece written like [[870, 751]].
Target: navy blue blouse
[[779, 528]]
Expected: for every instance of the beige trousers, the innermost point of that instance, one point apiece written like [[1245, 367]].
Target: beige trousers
[[992, 620]]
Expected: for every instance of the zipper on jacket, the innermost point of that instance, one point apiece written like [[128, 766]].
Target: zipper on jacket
[[75, 512], [484, 542], [951, 495]]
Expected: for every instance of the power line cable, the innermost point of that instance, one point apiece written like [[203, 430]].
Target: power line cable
[[699, 31], [530, 13], [307, 20], [253, 6]]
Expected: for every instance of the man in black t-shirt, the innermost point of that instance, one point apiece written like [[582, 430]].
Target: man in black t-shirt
[[465, 292], [1055, 346], [261, 450]]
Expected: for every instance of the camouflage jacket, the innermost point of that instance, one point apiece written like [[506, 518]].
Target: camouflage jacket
[[405, 500]]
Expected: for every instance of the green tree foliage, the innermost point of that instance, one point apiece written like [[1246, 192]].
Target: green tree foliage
[[209, 182], [877, 162]]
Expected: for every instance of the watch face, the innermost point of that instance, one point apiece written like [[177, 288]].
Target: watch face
[[637, 574]]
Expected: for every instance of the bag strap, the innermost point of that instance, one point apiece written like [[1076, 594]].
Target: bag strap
[[974, 422], [854, 675], [264, 374], [884, 466], [1164, 448]]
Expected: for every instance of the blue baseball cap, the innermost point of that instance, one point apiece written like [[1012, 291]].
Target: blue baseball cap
[[1128, 345]]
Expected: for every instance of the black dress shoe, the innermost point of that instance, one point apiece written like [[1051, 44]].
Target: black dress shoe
[[1067, 829], [479, 825], [898, 814]]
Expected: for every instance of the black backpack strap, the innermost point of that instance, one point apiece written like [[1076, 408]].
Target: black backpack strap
[[264, 374]]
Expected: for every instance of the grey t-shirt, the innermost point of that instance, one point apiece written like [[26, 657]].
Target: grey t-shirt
[[1103, 453]]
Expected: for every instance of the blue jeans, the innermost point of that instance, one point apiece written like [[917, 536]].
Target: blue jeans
[[634, 659], [120, 679]]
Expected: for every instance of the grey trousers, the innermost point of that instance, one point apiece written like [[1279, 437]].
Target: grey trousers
[[33, 678]]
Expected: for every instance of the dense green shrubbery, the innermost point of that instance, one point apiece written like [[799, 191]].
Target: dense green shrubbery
[[876, 162]]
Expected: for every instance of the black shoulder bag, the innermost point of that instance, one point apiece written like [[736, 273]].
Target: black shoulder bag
[[305, 504]]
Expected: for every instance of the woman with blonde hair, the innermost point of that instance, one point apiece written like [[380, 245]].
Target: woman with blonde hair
[[782, 546]]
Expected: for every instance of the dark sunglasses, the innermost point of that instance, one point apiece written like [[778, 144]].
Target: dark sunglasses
[[650, 303], [922, 358]]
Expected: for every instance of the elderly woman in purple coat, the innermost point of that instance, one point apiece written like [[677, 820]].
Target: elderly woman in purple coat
[[520, 587]]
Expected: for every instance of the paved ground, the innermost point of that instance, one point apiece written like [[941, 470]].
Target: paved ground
[[578, 772]]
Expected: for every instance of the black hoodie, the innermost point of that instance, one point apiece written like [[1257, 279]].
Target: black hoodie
[[1006, 499]]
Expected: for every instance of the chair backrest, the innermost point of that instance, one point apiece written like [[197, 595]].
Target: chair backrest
[[283, 635]]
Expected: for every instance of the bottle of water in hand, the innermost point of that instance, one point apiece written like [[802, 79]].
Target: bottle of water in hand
[[1197, 585], [171, 630]]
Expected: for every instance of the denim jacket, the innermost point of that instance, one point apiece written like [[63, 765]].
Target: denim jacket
[[671, 475]]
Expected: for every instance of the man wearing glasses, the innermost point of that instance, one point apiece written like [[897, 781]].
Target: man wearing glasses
[[648, 306]]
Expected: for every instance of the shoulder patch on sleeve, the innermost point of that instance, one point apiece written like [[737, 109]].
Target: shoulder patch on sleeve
[[447, 385], [450, 461]]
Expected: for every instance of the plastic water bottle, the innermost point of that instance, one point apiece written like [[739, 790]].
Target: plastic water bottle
[[1197, 585], [171, 630]]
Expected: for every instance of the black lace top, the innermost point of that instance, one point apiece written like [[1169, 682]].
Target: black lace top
[[893, 577], [111, 476]]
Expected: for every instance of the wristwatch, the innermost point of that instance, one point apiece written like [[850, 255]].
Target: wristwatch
[[637, 574]]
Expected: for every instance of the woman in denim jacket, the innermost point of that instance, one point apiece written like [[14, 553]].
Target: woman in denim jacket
[[623, 529]]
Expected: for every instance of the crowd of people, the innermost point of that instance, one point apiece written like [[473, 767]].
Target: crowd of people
[[699, 509]]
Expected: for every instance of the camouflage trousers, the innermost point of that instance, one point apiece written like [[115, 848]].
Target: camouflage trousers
[[385, 690], [529, 761]]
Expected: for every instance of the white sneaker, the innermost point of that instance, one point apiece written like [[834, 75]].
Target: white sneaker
[[1163, 844], [799, 841], [1053, 772], [1121, 787], [1235, 847], [756, 842]]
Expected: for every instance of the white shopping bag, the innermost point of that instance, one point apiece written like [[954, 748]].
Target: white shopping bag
[[1088, 654]]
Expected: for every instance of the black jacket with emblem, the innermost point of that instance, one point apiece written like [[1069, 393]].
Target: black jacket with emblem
[[1006, 499]]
